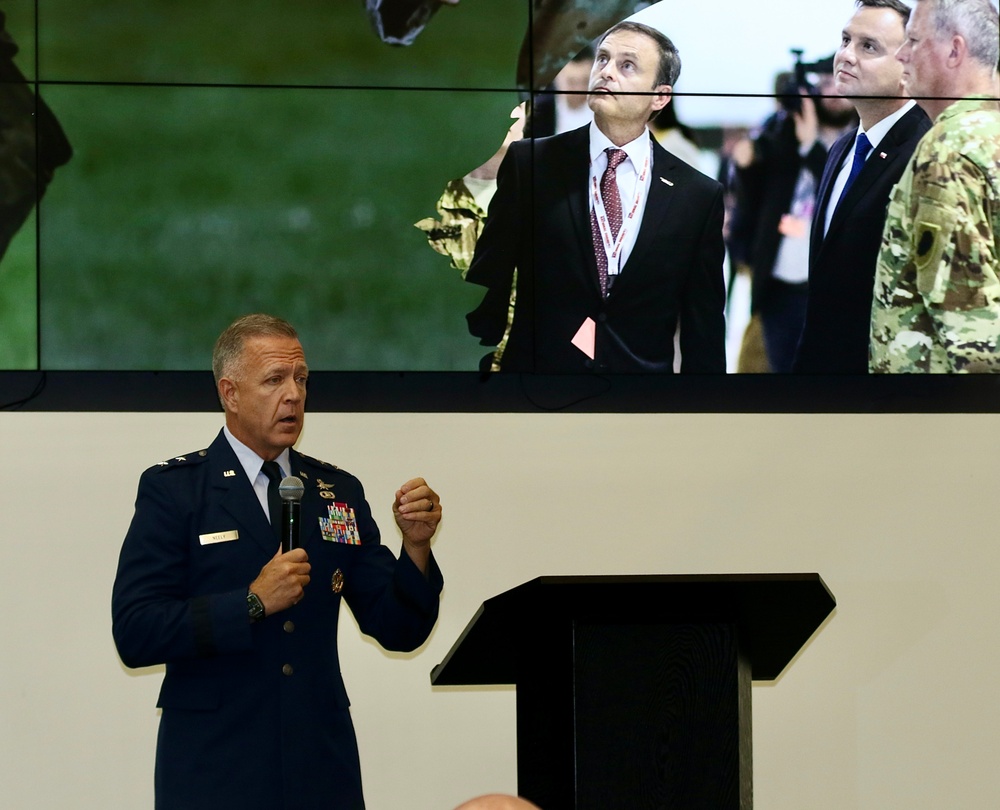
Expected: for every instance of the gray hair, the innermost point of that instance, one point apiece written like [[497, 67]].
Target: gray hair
[[976, 21], [227, 356]]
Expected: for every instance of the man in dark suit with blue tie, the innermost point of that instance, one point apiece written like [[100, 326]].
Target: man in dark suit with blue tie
[[860, 172], [614, 240], [254, 710]]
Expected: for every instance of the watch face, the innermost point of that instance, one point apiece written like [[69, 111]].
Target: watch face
[[255, 607]]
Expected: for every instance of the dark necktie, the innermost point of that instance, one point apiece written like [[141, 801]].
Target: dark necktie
[[273, 473], [861, 149], [613, 208]]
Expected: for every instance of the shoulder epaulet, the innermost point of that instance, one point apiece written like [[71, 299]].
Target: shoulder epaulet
[[181, 461], [325, 464]]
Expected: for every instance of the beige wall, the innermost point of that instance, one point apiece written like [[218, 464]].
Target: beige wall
[[892, 704]]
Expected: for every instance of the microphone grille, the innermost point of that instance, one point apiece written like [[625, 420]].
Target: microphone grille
[[291, 488]]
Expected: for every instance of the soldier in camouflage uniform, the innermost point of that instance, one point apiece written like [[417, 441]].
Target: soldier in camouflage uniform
[[937, 286]]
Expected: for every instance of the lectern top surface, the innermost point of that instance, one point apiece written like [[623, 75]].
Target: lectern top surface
[[776, 615]]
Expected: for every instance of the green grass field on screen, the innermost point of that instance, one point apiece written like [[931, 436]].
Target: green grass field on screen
[[192, 199]]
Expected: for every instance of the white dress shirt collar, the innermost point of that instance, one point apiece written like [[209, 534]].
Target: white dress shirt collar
[[881, 129], [251, 462], [637, 150]]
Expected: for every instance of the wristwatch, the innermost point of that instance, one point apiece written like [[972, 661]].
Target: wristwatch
[[254, 607]]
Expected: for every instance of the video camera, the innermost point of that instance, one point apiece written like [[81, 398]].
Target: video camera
[[789, 91]]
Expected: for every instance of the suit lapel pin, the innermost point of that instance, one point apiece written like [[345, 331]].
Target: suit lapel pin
[[883, 155], [664, 180]]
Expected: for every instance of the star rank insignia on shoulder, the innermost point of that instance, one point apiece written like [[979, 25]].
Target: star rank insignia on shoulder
[[180, 461], [319, 463]]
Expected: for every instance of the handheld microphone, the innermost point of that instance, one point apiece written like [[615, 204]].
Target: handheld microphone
[[291, 490]]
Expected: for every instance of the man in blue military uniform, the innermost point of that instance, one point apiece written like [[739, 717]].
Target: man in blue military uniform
[[254, 710]]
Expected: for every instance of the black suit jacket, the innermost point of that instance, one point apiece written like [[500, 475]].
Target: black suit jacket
[[842, 263], [254, 715], [539, 223]]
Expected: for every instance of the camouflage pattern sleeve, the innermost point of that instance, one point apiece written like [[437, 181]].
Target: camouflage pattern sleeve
[[455, 235], [937, 290], [461, 221]]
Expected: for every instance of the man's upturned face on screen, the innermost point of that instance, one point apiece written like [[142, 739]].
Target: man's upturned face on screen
[[626, 62]]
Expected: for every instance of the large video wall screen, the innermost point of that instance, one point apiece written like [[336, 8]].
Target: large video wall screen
[[197, 160]]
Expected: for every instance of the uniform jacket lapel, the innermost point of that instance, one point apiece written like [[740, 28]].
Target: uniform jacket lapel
[[236, 495], [313, 505]]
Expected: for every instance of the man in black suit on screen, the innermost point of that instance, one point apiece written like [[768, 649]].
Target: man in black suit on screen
[[614, 240], [854, 191]]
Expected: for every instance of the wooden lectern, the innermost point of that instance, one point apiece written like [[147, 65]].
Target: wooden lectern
[[633, 692]]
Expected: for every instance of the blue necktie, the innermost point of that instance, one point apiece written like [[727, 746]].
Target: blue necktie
[[861, 149]]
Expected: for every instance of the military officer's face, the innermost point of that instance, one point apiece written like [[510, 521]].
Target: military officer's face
[[866, 64], [626, 62], [265, 396], [922, 55]]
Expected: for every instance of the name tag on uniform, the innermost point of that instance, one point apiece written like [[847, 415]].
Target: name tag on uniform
[[218, 537]]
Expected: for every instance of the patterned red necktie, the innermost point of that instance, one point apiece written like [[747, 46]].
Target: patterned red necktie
[[613, 208]]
